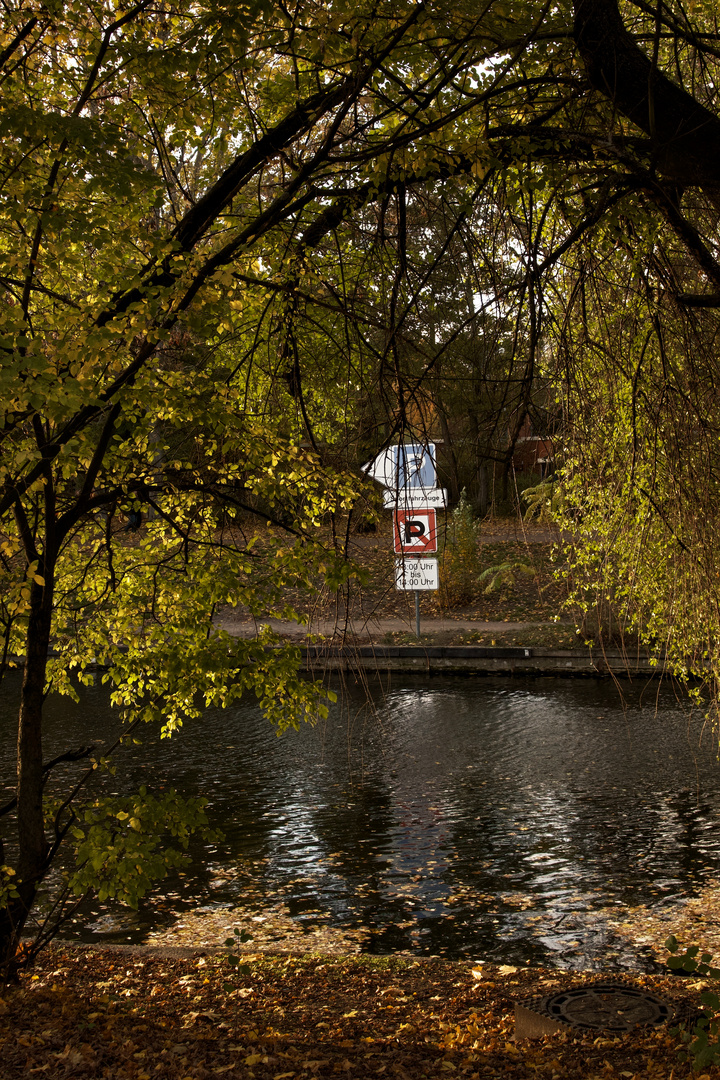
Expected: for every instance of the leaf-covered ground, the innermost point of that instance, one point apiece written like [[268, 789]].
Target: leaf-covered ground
[[534, 597], [693, 920], [129, 1013]]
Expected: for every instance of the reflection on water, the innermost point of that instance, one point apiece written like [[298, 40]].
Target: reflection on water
[[459, 817]]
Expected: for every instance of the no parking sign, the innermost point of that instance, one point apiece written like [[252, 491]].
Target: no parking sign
[[415, 531], [408, 474]]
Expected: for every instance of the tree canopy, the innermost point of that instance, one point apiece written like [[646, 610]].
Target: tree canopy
[[230, 239]]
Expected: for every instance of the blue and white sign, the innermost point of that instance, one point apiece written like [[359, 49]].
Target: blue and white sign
[[408, 473], [409, 465]]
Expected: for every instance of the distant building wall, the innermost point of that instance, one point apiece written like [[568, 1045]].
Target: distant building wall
[[533, 453]]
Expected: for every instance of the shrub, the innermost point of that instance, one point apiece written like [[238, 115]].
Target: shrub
[[459, 564], [703, 1042]]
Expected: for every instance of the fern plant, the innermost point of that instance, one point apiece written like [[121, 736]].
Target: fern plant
[[544, 501], [703, 1042], [504, 574]]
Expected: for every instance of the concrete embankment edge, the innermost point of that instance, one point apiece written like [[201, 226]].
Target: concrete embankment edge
[[482, 660], [472, 660]]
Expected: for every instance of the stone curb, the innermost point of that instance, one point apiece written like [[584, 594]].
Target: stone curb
[[482, 660]]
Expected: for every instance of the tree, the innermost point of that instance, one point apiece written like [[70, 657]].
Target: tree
[[192, 199], [164, 170], [634, 325]]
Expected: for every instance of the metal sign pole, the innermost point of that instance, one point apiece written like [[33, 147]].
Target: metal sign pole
[[417, 612]]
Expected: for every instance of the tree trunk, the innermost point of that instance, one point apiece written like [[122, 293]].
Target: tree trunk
[[481, 471], [683, 135], [482, 486], [31, 839], [451, 455]]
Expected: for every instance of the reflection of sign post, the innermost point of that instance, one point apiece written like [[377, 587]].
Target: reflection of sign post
[[415, 531]]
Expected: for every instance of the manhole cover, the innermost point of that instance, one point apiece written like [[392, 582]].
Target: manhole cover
[[605, 1006]]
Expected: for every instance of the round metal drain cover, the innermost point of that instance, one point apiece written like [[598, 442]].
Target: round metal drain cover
[[605, 1006]]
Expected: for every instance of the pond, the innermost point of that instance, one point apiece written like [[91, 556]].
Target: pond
[[462, 817]]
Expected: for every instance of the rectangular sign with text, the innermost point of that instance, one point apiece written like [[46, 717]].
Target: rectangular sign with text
[[407, 498], [418, 574]]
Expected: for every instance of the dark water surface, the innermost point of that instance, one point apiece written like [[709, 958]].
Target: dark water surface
[[458, 817]]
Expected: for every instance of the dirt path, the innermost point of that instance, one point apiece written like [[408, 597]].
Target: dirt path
[[373, 628], [527, 609]]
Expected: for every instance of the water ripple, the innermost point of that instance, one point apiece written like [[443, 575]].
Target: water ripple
[[461, 817]]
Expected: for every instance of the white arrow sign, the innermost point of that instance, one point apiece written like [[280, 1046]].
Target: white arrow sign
[[409, 465]]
